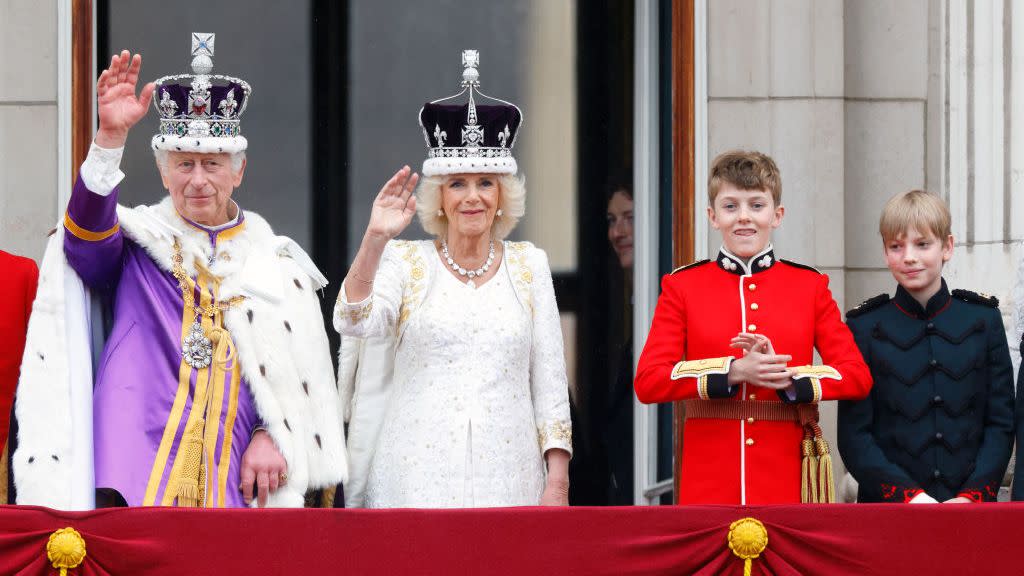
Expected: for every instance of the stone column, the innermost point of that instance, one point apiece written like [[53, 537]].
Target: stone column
[[28, 125]]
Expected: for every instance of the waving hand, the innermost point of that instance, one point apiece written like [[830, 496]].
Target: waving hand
[[117, 105], [394, 206]]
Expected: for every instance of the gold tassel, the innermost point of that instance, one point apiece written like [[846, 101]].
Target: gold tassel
[[191, 481], [188, 493], [808, 476], [825, 480], [192, 489]]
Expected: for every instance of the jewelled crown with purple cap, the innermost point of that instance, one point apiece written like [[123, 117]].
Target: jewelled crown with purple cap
[[470, 137], [200, 112]]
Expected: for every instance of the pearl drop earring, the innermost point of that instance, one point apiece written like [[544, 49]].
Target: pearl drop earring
[[440, 212], [499, 213]]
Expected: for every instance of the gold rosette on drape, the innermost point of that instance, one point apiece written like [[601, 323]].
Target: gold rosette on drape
[[65, 549], [747, 539]]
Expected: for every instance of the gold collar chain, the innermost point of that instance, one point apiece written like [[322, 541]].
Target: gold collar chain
[[197, 346], [209, 310]]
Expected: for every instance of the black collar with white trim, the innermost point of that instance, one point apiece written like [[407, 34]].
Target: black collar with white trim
[[761, 261]]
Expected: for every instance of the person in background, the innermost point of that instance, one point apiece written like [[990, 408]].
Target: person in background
[[615, 426]]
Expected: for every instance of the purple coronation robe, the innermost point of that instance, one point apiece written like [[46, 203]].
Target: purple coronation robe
[[144, 391]]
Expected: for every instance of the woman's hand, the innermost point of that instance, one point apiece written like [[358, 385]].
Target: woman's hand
[[958, 500], [760, 365], [116, 105], [393, 208], [556, 491]]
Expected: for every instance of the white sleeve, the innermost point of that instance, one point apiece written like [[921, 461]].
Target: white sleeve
[[548, 383], [923, 498], [377, 314], [101, 171]]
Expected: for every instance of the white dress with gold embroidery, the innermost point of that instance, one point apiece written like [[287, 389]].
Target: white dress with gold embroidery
[[479, 388]]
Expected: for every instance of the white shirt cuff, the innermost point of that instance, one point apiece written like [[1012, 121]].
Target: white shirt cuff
[[101, 171], [923, 498], [790, 392]]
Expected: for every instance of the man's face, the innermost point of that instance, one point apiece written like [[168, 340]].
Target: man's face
[[201, 185], [916, 259], [745, 218]]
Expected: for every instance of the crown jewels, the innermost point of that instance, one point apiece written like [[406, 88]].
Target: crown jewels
[[200, 112], [470, 137]]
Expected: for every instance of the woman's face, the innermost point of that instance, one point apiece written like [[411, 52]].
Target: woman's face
[[470, 202], [620, 227]]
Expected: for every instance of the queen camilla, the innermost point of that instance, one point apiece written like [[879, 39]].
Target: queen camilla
[[463, 329]]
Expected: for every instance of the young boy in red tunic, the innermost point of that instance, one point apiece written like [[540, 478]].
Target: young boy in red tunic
[[734, 338]]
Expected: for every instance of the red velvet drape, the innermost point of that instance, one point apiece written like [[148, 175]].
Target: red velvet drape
[[826, 539]]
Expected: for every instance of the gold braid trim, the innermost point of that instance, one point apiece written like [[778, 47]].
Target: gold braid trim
[[412, 294], [555, 432], [522, 276], [88, 235], [197, 442], [702, 367], [815, 372], [357, 315]]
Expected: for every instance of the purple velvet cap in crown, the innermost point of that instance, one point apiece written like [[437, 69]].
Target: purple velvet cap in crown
[[200, 112], [470, 137]]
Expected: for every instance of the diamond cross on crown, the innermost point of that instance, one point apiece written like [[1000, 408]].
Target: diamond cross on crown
[[202, 43]]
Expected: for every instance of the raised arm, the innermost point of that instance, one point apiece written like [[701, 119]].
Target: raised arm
[[370, 296], [392, 211], [93, 240]]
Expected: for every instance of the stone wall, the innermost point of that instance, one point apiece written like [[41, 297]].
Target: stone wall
[[28, 125]]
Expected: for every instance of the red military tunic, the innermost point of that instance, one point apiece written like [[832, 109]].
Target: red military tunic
[[17, 292], [687, 356]]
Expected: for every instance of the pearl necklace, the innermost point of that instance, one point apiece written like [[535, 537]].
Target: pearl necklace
[[462, 270]]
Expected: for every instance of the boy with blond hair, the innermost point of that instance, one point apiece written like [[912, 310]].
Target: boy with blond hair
[[734, 338], [938, 425]]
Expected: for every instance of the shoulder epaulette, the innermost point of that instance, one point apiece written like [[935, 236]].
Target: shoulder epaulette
[[799, 265], [979, 297], [868, 305], [691, 265]]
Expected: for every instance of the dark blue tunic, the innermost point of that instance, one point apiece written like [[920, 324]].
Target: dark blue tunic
[[940, 416]]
